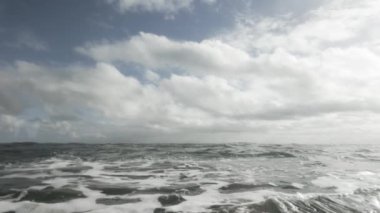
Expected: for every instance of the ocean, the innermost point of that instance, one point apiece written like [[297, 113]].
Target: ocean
[[163, 178]]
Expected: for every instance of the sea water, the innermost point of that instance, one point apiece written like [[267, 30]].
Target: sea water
[[225, 178]]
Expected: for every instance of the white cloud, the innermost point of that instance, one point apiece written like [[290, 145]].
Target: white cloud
[[339, 23], [166, 6], [159, 52], [152, 76], [270, 68], [94, 103], [268, 79]]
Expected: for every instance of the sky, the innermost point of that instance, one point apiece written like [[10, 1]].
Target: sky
[[199, 71]]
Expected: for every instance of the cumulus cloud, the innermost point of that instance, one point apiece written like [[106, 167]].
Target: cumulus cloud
[[160, 53], [96, 103], [268, 79], [335, 24], [166, 6], [286, 68]]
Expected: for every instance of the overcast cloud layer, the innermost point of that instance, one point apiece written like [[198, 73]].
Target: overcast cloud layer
[[313, 78]]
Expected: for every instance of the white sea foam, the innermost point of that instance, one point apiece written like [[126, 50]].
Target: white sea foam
[[301, 178]]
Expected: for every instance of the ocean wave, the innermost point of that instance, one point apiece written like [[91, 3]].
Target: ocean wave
[[188, 178]]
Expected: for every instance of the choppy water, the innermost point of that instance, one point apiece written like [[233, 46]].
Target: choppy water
[[230, 178]]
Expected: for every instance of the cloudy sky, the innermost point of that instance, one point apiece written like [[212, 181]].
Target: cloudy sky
[[273, 71]]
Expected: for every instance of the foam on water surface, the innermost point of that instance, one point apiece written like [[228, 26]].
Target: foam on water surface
[[211, 178]]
